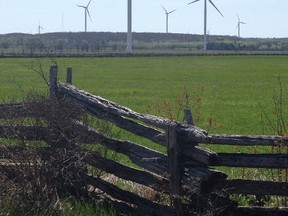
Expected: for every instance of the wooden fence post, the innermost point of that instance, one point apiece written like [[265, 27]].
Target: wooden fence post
[[69, 75], [174, 167], [53, 78], [188, 118]]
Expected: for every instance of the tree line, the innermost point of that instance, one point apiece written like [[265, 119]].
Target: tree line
[[92, 42]]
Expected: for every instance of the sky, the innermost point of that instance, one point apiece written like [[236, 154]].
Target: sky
[[263, 18]]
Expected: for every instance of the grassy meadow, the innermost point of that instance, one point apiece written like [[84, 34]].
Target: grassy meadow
[[225, 91], [227, 94]]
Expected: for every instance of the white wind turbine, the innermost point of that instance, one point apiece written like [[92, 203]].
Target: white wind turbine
[[86, 11], [205, 18], [167, 16], [239, 25], [129, 26]]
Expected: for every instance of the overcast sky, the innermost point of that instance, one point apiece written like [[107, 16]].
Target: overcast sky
[[264, 18]]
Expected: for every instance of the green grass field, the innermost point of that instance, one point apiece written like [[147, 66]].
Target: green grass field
[[230, 87], [228, 90]]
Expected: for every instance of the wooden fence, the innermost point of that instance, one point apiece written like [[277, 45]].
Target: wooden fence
[[185, 173]]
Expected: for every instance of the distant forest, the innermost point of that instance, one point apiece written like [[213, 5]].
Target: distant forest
[[81, 43]]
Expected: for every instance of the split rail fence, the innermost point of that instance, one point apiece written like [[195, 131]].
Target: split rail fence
[[186, 173]]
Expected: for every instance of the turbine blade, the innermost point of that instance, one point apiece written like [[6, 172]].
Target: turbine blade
[[88, 3], [88, 14], [238, 18], [193, 2], [216, 7], [81, 6], [164, 9], [171, 11]]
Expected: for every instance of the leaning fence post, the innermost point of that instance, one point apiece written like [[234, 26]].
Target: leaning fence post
[[174, 167], [53, 80], [69, 75]]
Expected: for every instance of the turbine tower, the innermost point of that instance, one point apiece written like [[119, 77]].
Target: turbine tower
[[86, 11], [167, 16], [205, 18], [239, 25], [62, 21], [129, 26]]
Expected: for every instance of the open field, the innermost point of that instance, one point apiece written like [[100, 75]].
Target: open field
[[230, 87], [227, 90]]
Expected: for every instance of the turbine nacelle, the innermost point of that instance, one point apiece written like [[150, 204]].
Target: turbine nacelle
[[210, 3], [239, 21], [166, 12]]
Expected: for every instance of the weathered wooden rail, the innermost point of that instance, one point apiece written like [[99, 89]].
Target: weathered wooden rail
[[185, 169]]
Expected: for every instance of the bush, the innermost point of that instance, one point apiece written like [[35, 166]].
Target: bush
[[35, 175]]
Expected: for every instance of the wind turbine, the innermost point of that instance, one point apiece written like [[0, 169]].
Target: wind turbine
[[39, 28], [129, 26], [86, 11], [205, 18], [167, 16], [239, 25]]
